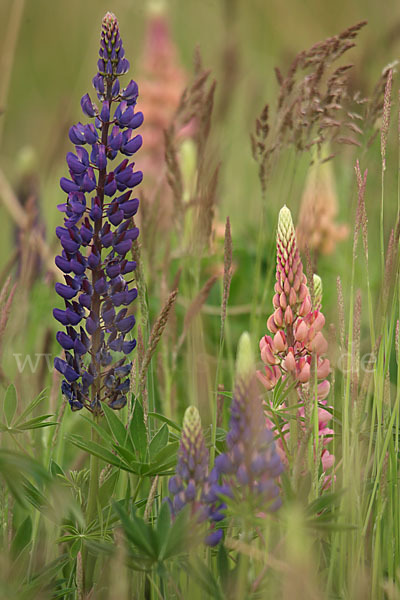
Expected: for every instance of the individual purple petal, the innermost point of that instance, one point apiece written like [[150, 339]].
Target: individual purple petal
[[129, 266], [73, 317], [118, 298], [124, 118], [136, 120], [125, 325], [87, 105], [117, 344], [214, 538], [85, 300], [89, 181], [132, 146], [113, 270], [68, 186], [100, 286], [96, 212], [74, 164], [65, 291], [79, 348], [91, 135], [122, 66], [102, 160], [64, 340], [86, 232], [118, 403], [91, 325], [69, 244], [106, 239], [98, 84], [61, 316], [93, 260], [115, 88], [63, 264], [77, 134], [116, 216], [108, 316], [105, 112], [123, 247], [130, 296], [78, 264], [135, 179], [132, 234], [127, 347], [130, 207], [111, 185], [69, 373], [131, 91]]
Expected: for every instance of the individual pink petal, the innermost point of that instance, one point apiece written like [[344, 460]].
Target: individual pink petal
[[324, 369], [327, 460], [271, 324], [319, 321], [305, 307], [289, 362], [319, 344], [304, 374], [323, 390], [278, 317], [280, 341], [301, 331], [288, 316]]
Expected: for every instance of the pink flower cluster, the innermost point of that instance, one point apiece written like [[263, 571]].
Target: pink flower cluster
[[297, 338]]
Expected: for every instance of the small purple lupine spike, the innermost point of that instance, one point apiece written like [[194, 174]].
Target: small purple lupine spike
[[94, 278], [249, 469], [191, 483]]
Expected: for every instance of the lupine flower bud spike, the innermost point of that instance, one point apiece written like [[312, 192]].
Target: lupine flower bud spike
[[251, 465], [290, 286], [96, 237], [297, 337], [190, 485]]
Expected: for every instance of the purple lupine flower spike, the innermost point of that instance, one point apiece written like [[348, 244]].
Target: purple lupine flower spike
[[249, 468], [97, 235], [191, 485]]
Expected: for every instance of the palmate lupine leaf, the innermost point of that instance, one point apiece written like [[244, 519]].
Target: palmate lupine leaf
[[22, 538], [157, 543], [126, 448], [14, 423], [16, 468]]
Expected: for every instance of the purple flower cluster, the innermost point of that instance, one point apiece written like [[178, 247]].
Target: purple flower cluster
[[97, 235], [247, 472], [191, 484]]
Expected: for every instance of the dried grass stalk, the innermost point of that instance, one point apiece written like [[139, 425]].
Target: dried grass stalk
[[387, 102], [205, 210], [155, 337], [340, 311], [5, 305], [314, 104], [228, 271], [361, 216]]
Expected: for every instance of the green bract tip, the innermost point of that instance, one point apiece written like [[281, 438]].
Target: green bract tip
[[317, 291], [244, 359]]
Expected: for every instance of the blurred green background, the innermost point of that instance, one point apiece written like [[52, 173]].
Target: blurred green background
[[55, 59]]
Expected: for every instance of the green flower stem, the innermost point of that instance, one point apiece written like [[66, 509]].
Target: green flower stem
[[89, 562]]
